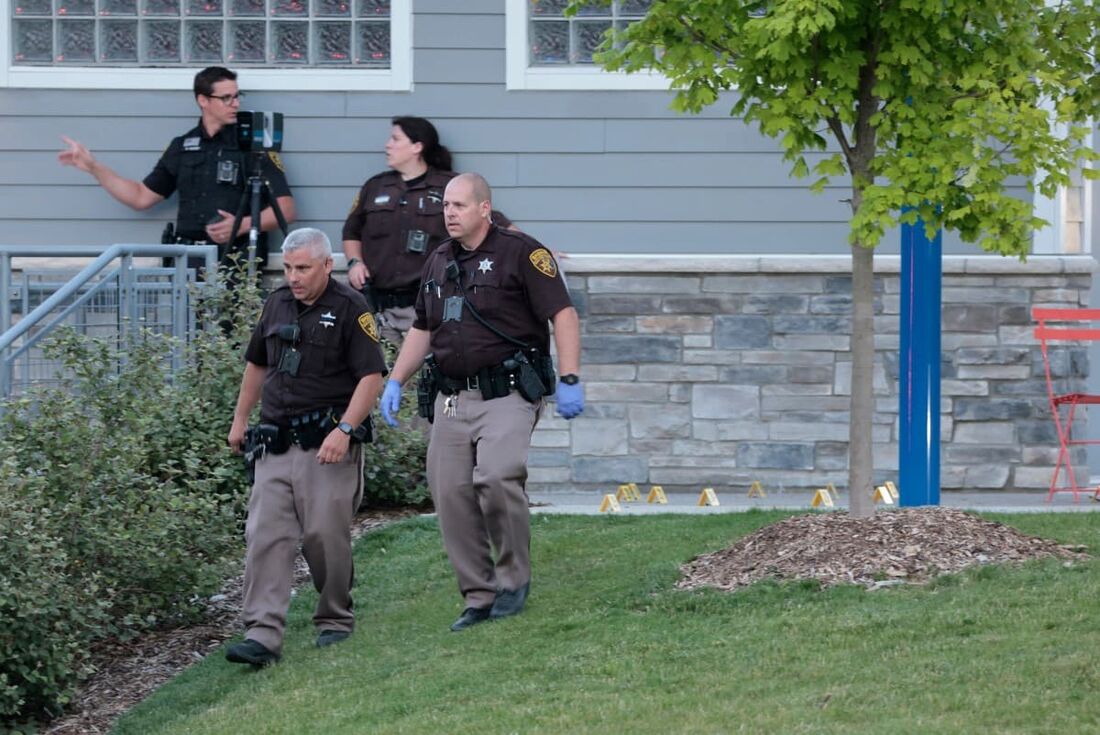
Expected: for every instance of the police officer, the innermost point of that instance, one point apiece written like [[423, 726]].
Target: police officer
[[205, 166], [396, 221], [482, 312], [315, 361]]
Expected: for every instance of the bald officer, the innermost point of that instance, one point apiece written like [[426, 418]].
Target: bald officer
[[315, 361], [482, 311]]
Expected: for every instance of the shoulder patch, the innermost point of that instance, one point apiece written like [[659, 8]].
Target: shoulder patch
[[276, 160], [544, 262], [355, 204], [366, 323]]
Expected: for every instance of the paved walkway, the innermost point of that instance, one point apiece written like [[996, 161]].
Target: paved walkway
[[589, 503]]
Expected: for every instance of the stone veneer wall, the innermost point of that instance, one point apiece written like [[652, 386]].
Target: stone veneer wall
[[720, 370]]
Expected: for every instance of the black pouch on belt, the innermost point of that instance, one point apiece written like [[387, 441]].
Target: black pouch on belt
[[528, 382]]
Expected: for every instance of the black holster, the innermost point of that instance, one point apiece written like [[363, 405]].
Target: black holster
[[258, 441], [526, 376], [372, 300], [521, 372], [427, 388]]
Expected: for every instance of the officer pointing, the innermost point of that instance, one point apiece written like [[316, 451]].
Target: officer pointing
[[204, 165], [482, 312]]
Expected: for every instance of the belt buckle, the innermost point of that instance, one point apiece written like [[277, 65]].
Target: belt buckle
[[471, 383]]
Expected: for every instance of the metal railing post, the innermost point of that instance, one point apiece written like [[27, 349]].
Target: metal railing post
[[18, 338], [179, 310], [5, 321]]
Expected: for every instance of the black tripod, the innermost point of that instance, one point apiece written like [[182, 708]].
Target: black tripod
[[251, 194]]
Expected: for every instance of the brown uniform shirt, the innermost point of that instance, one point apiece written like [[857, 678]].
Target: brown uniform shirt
[[510, 279], [385, 211], [338, 343]]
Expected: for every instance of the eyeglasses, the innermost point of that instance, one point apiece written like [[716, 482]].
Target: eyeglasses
[[227, 99]]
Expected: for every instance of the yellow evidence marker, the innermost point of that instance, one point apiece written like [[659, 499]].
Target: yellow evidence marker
[[892, 488], [707, 497], [756, 490], [883, 495], [832, 491], [822, 498], [656, 495], [610, 504], [628, 493]]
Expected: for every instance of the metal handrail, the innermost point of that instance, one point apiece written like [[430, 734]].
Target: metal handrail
[[102, 261], [80, 301], [103, 258]]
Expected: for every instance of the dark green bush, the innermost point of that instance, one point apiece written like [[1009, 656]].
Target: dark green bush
[[394, 467], [120, 503], [43, 632], [121, 506]]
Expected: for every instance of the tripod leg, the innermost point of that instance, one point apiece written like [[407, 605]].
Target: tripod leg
[[254, 230], [238, 218], [276, 209]]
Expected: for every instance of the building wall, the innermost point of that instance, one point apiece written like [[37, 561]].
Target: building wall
[[584, 171], [720, 371]]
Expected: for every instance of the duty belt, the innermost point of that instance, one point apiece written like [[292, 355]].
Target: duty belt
[[493, 382], [385, 298], [448, 385], [517, 373]]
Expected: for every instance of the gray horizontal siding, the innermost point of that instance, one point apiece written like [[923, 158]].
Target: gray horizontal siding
[[596, 171], [463, 30], [439, 100], [576, 203]]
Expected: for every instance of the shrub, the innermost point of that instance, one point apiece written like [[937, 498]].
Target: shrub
[[121, 503], [121, 506], [42, 633], [394, 467]]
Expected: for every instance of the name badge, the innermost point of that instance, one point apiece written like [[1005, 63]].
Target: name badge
[[381, 198]]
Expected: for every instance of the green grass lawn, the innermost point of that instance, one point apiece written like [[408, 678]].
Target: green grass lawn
[[607, 646]]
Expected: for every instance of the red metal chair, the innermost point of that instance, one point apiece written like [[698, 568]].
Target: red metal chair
[[1063, 406]]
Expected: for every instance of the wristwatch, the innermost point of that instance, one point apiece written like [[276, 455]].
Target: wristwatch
[[345, 427], [352, 262], [570, 379]]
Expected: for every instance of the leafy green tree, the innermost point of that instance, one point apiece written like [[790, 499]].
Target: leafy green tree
[[928, 104]]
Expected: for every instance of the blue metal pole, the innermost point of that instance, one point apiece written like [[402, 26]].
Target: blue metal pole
[[919, 367]]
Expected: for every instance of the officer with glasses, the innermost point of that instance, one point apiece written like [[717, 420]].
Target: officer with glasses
[[205, 166]]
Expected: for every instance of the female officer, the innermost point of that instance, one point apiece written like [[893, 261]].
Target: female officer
[[396, 220]]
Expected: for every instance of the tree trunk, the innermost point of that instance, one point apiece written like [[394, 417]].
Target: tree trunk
[[862, 412]]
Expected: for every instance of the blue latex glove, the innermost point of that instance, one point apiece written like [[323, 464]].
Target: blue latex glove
[[570, 400], [391, 401]]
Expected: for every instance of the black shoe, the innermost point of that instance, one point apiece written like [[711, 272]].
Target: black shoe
[[470, 616], [331, 637], [509, 602], [252, 652]]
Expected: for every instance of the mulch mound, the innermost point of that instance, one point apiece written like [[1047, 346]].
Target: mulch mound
[[889, 548], [129, 671]]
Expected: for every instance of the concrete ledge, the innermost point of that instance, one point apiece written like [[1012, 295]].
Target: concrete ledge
[[955, 264]]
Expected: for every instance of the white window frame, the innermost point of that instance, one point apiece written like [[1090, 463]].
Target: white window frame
[[398, 78], [520, 75], [1051, 240]]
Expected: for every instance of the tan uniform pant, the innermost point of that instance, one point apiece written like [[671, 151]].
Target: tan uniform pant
[[296, 498], [477, 472], [394, 324]]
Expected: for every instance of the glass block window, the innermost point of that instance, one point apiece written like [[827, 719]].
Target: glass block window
[[556, 40], [264, 33]]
